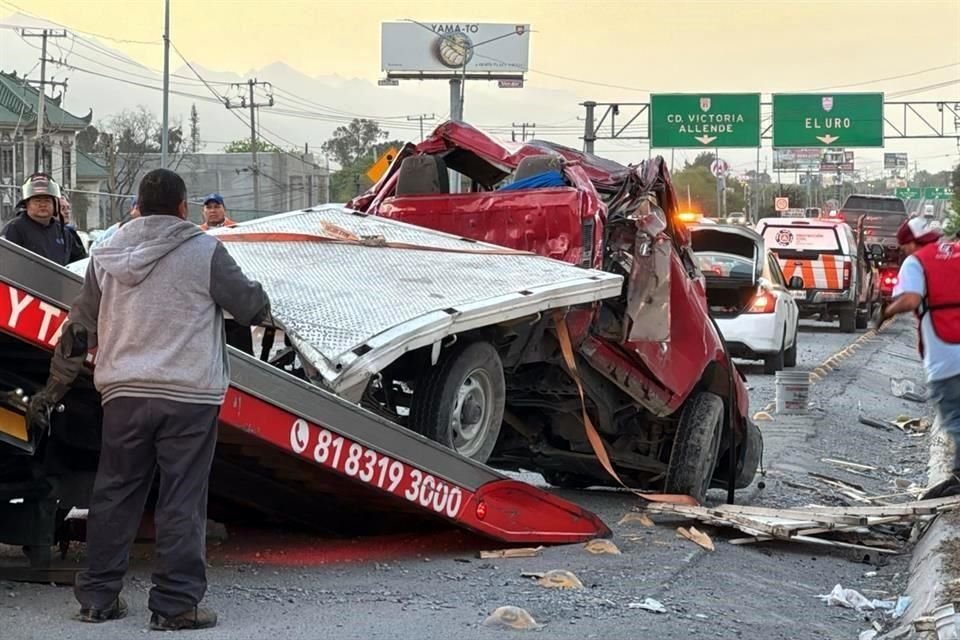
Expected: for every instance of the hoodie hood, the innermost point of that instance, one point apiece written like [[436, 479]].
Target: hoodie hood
[[135, 249]]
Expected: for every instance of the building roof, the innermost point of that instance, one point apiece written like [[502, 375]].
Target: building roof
[[18, 106], [89, 169]]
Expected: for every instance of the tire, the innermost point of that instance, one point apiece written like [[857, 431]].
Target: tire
[[863, 318], [459, 402], [750, 460], [566, 480], [696, 445], [775, 361], [848, 320], [790, 355]]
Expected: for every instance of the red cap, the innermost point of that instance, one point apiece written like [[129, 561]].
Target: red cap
[[916, 230]]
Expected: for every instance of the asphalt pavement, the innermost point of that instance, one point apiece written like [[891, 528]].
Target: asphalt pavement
[[297, 588]]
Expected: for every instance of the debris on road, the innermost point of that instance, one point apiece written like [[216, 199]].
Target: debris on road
[[556, 579], [849, 466], [512, 618], [600, 546], [648, 604], [520, 552], [699, 537], [853, 599], [639, 518], [829, 526], [908, 389]]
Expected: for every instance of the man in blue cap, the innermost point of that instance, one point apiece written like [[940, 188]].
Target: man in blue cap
[[215, 213]]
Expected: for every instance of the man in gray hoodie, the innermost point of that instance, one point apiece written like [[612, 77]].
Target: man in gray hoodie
[[152, 304]]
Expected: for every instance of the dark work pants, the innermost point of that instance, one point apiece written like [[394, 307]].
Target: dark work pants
[[140, 436]]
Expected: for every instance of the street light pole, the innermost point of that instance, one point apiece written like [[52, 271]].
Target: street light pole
[[165, 130]]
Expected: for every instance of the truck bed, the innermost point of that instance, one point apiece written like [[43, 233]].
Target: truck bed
[[352, 309]]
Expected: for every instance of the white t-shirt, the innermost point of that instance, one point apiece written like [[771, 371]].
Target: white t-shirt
[[941, 360]]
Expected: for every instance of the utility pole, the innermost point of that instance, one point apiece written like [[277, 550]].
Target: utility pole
[[421, 118], [39, 147], [589, 134], [251, 103], [523, 129], [165, 130]]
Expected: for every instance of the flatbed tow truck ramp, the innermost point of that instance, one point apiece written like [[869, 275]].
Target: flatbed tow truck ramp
[[294, 444]]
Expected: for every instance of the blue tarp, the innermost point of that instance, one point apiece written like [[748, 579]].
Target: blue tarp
[[539, 181]]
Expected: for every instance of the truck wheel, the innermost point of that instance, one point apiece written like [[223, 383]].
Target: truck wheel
[[750, 461], [696, 445], [863, 318], [848, 320], [775, 361], [459, 402], [790, 355]]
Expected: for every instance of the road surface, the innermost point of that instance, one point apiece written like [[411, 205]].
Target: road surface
[[433, 587]]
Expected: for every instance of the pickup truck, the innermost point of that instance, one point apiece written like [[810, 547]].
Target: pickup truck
[[879, 217], [651, 387]]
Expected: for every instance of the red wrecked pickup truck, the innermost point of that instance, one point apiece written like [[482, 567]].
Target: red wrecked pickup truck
[[669, 405]]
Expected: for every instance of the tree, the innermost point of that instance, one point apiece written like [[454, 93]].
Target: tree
[[952, 223], [125, 143], [354, 141], [87, 139], [703, 159], [195, 143], [243, 146]]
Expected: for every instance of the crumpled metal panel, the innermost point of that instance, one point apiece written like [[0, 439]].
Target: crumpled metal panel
[[336, 297]]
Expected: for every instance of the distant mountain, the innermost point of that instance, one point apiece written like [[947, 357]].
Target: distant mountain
[[306, 109]]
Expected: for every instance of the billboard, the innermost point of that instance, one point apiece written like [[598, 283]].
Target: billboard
[[836, 161], [450, 48], [798, 159], [894, 161]]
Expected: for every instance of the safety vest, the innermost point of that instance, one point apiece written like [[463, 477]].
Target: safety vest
[[941, 271]]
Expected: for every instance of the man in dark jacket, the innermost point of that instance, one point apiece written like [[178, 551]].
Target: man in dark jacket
[[152, 304], [38, 226], [77, 250]]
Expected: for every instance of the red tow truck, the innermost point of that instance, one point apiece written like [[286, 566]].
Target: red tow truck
[[658, 384]]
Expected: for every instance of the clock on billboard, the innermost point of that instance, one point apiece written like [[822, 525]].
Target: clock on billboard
[[454, 50]]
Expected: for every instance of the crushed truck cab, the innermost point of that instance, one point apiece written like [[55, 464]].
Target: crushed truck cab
[[661, 390]]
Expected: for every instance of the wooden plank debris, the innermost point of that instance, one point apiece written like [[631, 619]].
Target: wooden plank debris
[[845, 527]]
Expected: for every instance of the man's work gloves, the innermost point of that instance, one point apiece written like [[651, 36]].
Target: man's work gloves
[[67, 362]]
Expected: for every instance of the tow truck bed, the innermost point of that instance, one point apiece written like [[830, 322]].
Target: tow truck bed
[[286, 447], [359, 308]]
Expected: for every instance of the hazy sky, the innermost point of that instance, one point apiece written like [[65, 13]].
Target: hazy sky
[[640, 45], [709, 44]]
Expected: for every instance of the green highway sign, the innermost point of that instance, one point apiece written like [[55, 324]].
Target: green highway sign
[[937, 193], [698, 120], [825, 120], [909, 193]]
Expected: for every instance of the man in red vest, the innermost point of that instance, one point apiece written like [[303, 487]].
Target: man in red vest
[[928, 287]]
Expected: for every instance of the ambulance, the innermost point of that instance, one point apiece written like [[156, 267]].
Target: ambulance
[[829, 267]]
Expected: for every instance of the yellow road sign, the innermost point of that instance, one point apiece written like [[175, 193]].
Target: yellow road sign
[[376, 171]]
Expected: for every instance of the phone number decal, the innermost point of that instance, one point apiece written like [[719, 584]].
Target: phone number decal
[[375, 469]]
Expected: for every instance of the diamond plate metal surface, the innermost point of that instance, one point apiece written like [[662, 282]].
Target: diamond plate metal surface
[[336, 297]]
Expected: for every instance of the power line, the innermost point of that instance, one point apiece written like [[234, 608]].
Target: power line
[[89, 33]]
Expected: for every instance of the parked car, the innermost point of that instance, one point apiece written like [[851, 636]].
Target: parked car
[[661, 389], [748, 295], [737, 217], [838, 277]]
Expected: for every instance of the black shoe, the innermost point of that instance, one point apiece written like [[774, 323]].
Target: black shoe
[[945, 489], [196, 618], [117, 610]]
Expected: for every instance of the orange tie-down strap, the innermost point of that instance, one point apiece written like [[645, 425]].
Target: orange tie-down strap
[[593, 436], [332, 234]]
